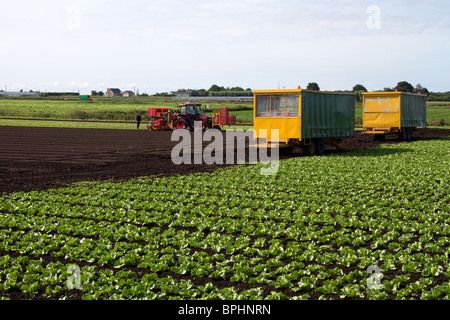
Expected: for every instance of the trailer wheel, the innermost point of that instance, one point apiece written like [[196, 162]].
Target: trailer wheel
[[408, 134], [317, 147], [286, 150], [320, 147], [404, 134], [307, 149]]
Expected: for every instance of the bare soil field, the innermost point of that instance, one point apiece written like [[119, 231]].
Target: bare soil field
[[42, 158]]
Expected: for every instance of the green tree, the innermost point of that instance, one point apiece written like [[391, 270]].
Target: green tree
[[313, 86], [359, 87], [215, 88], [404, 86]]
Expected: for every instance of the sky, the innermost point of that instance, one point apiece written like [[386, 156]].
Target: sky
[[161, 46]]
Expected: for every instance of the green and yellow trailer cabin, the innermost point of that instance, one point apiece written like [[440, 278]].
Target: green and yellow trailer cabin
[[304, 118], [393, 112]]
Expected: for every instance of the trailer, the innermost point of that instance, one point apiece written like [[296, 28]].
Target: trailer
[[302, 118], [393, 113], [222, 118], [86, 98]]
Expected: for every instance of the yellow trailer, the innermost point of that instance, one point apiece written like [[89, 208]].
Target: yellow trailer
[[393, 112], [303, 118]]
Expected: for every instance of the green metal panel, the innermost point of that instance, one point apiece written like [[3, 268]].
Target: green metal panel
[[84, 98], [413, 112], [327, 114]]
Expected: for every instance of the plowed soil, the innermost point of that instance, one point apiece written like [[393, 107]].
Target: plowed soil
[[42, 158]]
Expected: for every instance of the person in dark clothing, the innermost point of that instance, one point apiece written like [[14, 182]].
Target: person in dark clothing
[[138, 119]]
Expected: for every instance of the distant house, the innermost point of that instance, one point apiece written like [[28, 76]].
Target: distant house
[[182, 94], [128, 93], [113, 92]]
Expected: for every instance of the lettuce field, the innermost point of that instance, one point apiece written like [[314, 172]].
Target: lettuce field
[[364, 224]]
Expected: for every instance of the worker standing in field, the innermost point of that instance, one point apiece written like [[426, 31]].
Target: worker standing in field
[[169, 116], [138, 120]]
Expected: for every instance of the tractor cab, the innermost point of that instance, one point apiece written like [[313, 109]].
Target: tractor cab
[[191, 109]]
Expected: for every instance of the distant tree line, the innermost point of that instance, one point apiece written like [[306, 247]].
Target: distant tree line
[[97, 93], [402, 86], [214, 91], [220, 91], [57, 94]]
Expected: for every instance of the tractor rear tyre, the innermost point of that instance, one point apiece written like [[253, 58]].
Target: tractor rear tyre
[[181, 124], [208, 125]]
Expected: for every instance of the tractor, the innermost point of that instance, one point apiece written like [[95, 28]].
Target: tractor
[[188, 114]]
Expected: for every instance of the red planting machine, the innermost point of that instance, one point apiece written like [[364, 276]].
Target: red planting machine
[[185, 117]]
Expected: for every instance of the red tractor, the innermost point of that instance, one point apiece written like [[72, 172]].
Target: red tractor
[[188, 114]]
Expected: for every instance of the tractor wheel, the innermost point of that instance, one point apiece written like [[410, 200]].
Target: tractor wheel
[[181, 124], [207, 126]]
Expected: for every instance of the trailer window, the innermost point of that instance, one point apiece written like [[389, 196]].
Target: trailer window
[[277, 106]]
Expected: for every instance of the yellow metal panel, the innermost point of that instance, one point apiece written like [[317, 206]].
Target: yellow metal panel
[[382, 104], [381, 109], [288, 128], [381, 120]]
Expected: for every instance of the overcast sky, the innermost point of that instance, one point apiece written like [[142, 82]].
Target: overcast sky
[[158, 46]]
